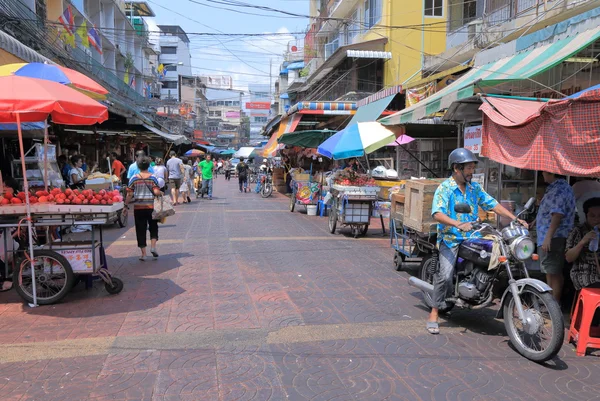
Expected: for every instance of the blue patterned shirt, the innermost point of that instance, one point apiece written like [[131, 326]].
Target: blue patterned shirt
[[449, 194], [559, 198]]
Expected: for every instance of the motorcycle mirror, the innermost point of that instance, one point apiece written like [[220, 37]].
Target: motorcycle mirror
[[529, 204], [462, 208]]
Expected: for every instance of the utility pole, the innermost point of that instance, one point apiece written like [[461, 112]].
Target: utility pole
[[271, 80]]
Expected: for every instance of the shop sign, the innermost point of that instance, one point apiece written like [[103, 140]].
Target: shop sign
[[258, 105], [473, 139], [415, 95], [232, 114]]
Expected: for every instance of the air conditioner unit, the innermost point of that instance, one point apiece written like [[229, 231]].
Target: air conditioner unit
[[474, 29]]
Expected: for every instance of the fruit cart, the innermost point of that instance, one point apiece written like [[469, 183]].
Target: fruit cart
[[352, 206], [57, 264], [305, 191]]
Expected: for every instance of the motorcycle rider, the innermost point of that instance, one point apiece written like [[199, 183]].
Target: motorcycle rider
[[454, 228]]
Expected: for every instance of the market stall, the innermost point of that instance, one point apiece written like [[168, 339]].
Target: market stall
[[42, 274]]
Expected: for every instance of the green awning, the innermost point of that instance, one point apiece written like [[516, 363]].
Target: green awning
[[521, 66], [306, 139], [371, 111]]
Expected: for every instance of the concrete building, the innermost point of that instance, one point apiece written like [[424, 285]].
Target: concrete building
[[257, 107], [224, 116], [176, 59]]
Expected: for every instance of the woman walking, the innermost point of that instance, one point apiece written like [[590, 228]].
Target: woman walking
[[185, 188], [160, 172], [143, 187]]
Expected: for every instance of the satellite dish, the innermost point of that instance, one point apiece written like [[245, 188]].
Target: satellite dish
[[294, 49]]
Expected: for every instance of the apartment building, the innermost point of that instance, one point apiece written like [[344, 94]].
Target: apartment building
[[257, 107], [176, 59]]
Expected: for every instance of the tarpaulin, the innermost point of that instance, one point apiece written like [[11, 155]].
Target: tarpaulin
[[289, 125], [561, 136]]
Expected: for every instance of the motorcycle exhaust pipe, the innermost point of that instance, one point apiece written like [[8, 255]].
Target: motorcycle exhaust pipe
[[411, 265], [421, 285]]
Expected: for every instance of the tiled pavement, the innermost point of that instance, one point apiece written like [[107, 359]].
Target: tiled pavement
[[251, 302]]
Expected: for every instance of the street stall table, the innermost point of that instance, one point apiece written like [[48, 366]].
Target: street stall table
[[58, 263]]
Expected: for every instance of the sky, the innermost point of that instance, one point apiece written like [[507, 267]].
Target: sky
[[246, 59]]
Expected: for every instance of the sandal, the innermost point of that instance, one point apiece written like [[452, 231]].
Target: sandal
[[433, 328]]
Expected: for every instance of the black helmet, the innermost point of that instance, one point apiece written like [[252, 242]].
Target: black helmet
[[461, 156]]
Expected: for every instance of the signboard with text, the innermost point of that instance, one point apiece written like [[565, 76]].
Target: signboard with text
[[258, 105], [473, 139], [232, 114]]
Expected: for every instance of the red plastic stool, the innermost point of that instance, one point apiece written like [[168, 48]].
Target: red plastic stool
[[581, 320]]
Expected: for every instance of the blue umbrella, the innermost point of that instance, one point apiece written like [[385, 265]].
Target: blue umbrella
[[356, 140]]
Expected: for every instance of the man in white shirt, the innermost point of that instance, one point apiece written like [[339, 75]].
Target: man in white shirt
[[174, 168], [133, 168]]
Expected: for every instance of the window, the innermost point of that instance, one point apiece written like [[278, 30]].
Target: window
[[260, 119], [216, 113], [169, 84], [354, 27], [168, 49], [373, 12], [220, 103], [434, 8], [172, 67], [461, 12], [236, 103]]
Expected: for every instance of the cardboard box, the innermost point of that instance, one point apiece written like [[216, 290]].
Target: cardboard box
[[418, 204]]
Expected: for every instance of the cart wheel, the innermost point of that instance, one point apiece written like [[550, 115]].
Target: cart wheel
[[332, 220], [355, 231], [116, 287], [365, 229], [292, 202], [398, 260], [122, 217], [54, 277]]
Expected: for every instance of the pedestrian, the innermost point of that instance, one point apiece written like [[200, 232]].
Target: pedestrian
[[77, 176], [582, 248], [197, 177], [227, 167], [117, 167], [207, 168], [242, 172], [585, 188], [175, 173], [133, 168], [142, 189], [554, 222], [185, 188], [160, 172]]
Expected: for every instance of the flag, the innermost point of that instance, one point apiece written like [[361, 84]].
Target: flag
[[67, 19], [161, 71], [94, 39], [82, 32], [126, 77], [68, 38], [132, 81]]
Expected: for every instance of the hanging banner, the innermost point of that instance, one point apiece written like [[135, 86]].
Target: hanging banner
[[473, 137], [415, 95]]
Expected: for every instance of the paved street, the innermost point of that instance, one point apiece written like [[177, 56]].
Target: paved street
[[251, 302]]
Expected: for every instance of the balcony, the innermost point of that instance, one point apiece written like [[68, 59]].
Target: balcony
[[331, 47]]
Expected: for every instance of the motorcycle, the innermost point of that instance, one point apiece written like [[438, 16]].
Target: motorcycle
[[532, 317], [266, 185]]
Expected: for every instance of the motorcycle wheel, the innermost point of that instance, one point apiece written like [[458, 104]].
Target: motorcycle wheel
[[292, 202], [332, 220], [543, 310], [266, 190], [426, 274]]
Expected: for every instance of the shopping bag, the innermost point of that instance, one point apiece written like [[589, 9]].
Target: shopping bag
[[162, 208]]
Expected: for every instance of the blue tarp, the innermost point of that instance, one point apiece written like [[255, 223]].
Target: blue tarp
[[24, 126], [574, 95], [283, 72], [284, 96], [298, 65]]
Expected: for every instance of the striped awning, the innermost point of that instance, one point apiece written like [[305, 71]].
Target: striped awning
[[323, 108], [524, 65]]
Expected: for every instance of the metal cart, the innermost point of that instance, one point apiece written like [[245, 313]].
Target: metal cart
[[57, 265], [352, 206], [304, 192], [411, 247]]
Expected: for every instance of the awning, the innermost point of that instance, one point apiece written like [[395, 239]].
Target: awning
[[371, 111], [560, 136], [368, 54], [336, 108], [283, 72], [176, 139], [439, 75], [298, 65], [524, 65], [284, 96], [243, 153], [271, 125], [287, 125]]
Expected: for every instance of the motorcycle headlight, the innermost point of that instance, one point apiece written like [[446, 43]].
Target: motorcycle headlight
[[522, 248]]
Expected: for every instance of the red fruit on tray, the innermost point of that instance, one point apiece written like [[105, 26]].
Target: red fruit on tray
[[61, 196], [77, 201], [55, 191], [85, 202], [50, 198], [16, 201], [21, 195], [98, 197], [87, 193], [60, 201], [116, 199], [5, 201], [68, 192], [67, 201], [109, 202], [103, 202], [43, 199], [94, 202]]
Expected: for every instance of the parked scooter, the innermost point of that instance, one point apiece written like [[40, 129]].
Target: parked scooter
[[532, 317]]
